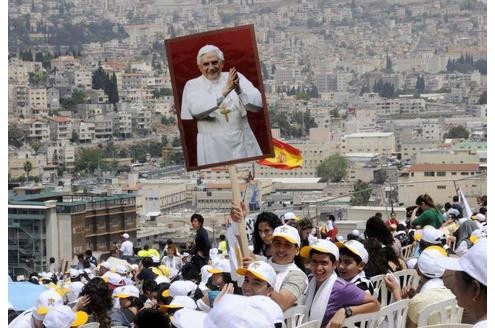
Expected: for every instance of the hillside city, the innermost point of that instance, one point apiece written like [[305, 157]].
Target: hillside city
[[386, 100]]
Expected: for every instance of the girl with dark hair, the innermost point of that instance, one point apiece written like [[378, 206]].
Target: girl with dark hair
[[265, 223], [430, 216], [376, 228], [96, 300], [130, 304]]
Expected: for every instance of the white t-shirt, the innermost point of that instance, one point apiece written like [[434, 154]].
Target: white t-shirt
[[23, 320], [127, 248]]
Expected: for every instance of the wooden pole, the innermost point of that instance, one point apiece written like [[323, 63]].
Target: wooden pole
[[236, 199]]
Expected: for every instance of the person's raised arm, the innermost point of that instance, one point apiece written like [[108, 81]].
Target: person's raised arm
[[370, 304], [198, 103], [284, 299], [249, 95]]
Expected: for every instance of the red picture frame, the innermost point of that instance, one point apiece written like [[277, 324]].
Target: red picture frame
[[240, 51]]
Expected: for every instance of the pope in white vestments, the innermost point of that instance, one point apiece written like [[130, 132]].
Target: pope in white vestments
[[219, 101]]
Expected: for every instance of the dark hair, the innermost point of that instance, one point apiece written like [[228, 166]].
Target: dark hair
[[483, 210], [149, 286], [455, 198], [222, 237], [88, 252], [346, 252], [331, 256], [135, 302], [147, 262], [447, 205], [331, 217], [376, 228], [272, 220], [351, 236], [391, 256], [401, 227], [190, 272], [198, 217], [425, 199], [377, 263], [146, 247], [151, 318], [52, 260], [378, 215], [304, 224], [161, 288], [100, 301]]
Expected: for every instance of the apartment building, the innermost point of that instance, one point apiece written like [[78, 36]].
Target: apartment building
[[440, 182], [43, 225], [371, 142]]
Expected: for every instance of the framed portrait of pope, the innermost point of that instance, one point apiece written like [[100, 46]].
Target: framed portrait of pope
[[219, 97]]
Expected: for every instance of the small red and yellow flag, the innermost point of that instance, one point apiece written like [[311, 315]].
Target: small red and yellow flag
[[286, 157]]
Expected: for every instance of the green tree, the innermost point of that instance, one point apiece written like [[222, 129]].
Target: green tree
[[388, 65], [75, 137], [28, 167], [113, 96], [457, 132], [420, 84], [333, 168], [16, 136], [89, 159], [98, 78], [362, 193], [36, 145]]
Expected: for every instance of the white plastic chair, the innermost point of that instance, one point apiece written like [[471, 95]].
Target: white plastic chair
[[365, 320], [310, 324], [406, 251], [394, 315], [380, 292], [90, 325], [407, 277], [294, 316], [448, 311], [450, 325]]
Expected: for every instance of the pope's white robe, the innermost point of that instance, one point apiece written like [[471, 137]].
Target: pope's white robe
[[221, 137]]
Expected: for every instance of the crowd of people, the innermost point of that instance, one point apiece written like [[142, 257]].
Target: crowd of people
[[291, 262]]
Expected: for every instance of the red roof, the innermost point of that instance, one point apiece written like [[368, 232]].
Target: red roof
[[443, 167], [59, 119]]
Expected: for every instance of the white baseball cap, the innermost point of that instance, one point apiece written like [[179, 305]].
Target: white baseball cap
[[476, 235], [62, 316], [355, 232], [106, 265], [45, 301], [220, 266], [187, 318], [74, 273], [161, 279], [125, 235], [321, 245], [289, 216], [480, 217], [473, 262], [181, 302], [340, 238], [427, 261], [121, 269], [126, 291], [355, 247], [432, 235], [261, 270], [288, 233], [182, 288], [245, 311], [113, 278]]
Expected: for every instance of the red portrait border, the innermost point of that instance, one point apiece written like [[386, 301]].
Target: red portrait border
[[239, 47]]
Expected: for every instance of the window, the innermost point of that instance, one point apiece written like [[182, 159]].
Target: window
[[464, 173], [454, 173], [441, 174], [429, 174], [441, 187]]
